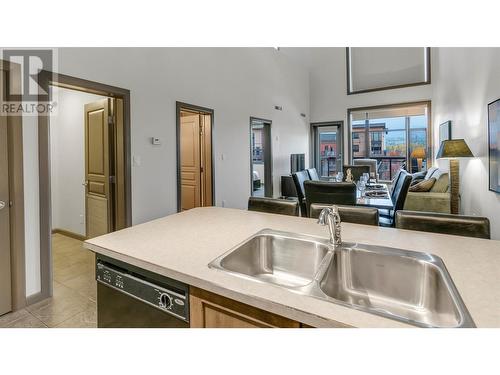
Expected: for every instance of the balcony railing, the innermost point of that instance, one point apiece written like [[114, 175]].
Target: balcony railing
[[388, 166]]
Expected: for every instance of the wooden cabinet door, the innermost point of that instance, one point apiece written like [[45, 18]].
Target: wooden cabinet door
[[209, 310]]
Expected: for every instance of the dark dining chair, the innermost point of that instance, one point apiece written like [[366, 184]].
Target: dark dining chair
[[458, 225], [299, 178], [356, 171], [343, 193], [349, 214], [399, 193], [274, 206], [313, 174]]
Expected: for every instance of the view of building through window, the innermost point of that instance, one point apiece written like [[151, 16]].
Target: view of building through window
[[397, 137], [257, 146], [328, 156]]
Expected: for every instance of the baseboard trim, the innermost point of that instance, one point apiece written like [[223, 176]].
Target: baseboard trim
[[34, 298], [68, 233]]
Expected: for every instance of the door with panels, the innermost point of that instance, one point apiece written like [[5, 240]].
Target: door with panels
[[195, 151], [98, 167]]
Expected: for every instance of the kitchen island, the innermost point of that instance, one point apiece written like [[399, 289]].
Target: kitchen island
[[181, 246]]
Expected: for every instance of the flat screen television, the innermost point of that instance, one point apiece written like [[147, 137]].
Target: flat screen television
[[297, 162]]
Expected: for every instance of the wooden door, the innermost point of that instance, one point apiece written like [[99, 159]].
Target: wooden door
[[5, 271], [98, 194], [190, 161], [206, 160]]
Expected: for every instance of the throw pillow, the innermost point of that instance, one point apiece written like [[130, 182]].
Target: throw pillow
[[442, 184], [423, 186]]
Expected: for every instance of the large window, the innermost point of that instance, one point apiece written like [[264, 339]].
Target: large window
[[397, 136]]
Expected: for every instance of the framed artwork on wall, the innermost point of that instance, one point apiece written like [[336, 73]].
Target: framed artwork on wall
[[494, 145], [444, 131]]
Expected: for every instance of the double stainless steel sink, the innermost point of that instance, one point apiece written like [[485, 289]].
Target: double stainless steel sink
[[408, 286]]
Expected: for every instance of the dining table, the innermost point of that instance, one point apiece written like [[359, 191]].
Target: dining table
[[381, 197]]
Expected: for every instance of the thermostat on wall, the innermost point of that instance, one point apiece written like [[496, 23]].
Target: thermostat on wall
[[156, 141]]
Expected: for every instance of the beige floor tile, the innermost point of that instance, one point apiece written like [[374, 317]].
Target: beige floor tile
[[74, 290], [9, 318], [85, 319], [57, 311], [28, 321], [62, 274], [84, 284]]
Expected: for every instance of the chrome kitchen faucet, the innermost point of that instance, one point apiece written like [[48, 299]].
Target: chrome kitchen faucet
[[330, 216]]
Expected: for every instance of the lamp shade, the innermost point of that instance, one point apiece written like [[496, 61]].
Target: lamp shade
[[418, 153], [454, 148]]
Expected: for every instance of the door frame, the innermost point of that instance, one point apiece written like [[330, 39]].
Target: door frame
[[179, 106], [46, 79], [16, 195], [268, 156], [313, 146]]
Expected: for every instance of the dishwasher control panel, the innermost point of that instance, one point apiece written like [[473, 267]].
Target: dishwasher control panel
[[163, 298]]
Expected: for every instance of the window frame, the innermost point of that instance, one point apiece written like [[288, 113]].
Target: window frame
[[426, 81], [430, 148], [314, 147]]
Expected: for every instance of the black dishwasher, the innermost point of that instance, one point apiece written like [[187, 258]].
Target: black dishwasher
[[130, 297]]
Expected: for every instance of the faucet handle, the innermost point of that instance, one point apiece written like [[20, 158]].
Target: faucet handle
[[323, 215]]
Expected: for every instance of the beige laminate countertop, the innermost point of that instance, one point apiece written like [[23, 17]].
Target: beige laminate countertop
[[180, 246]]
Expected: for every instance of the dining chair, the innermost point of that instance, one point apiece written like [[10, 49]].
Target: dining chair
[[399, 194], [299, 178], [356, 171], [343, 193], [458, 225], [313, 174], [383, 212], [274, 206], [349, 214]]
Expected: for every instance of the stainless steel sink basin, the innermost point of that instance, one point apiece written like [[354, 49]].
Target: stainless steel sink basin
[[411, 286], [277, 258], [408, 286]]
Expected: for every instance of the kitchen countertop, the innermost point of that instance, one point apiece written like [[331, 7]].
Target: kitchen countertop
[[180, 246]]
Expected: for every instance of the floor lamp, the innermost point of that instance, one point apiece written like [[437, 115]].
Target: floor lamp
[[419, 154], [453, 149]]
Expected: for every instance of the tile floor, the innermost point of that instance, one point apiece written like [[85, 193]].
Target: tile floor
[[73, 304]]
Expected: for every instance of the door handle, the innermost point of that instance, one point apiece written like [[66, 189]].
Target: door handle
[[85, 183], [2, 205]]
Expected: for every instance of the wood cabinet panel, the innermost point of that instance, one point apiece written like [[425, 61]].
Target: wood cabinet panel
[[209, 310]]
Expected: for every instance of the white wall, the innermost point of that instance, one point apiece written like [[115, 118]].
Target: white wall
[[31, 205], [236, 82], [328, 88], [67, 143], [466, 80]]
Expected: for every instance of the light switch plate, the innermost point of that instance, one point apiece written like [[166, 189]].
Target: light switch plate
[[156, 141]]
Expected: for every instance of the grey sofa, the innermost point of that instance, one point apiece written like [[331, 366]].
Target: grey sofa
[[437, 199]]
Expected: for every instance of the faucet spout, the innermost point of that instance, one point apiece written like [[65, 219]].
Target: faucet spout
[[330, 216]]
